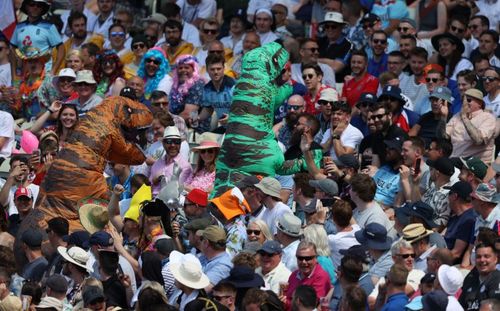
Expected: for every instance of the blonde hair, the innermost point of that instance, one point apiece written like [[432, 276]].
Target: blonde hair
[[74, 52], [317, 234], [263, 228]]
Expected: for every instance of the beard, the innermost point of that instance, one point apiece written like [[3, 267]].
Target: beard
[[291, 119], [296, 137]]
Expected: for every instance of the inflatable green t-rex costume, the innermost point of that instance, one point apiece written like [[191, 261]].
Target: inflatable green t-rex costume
[[250, 146]]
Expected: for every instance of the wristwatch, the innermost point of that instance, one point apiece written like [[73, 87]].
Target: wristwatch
[[335, 136]]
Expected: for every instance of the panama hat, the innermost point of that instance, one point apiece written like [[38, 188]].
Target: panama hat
[[93, 214], [188, 272], [208, 141], [415, 232], [75, 255], [290, 225]]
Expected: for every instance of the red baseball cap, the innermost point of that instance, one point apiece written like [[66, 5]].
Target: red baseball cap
[[22, 191], [198, 196]]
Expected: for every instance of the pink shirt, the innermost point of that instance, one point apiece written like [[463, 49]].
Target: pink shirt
[[318, 279], [463, 146], [202, 180], [160, 167]]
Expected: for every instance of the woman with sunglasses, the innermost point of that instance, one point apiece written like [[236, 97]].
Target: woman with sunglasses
[[187, 90], [472, 131], [203, 176], [139, 48], [257, 230], [109, 74], [154, 69]]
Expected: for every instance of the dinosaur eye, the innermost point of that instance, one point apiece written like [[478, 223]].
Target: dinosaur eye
[[129, 110]]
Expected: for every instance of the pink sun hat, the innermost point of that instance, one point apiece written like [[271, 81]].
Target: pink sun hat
[[208, 141]]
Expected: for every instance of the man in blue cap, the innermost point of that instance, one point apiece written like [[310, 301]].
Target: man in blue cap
[[272, 270], [402, 117], [374, 237]]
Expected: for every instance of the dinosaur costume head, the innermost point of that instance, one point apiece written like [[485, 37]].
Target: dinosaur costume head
[[106, 133], [268, 62]]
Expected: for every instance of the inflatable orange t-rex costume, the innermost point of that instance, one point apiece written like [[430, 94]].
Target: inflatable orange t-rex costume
[[105, 133]]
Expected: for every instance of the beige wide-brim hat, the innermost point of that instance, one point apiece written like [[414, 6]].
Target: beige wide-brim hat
[[208, 141], [270, 186], [93, 214], [75, 255], [85, 76], [190, 274], [415, 232]]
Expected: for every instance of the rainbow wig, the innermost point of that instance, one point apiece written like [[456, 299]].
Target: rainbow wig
[[151, 83], [180, 90]]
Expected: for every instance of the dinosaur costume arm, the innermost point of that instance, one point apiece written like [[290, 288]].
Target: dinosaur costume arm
[[282, 94], [294, 166]]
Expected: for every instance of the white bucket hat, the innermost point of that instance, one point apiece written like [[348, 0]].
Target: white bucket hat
[[75, 255], [85, 76], [65, 72], [189, 272], [450, 279]]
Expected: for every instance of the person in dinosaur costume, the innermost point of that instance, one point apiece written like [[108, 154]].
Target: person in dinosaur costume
[[105, 133], [250, 146]]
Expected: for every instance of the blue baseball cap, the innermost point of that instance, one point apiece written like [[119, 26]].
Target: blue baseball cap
[[374, 236], [101, 238], [441, 92]]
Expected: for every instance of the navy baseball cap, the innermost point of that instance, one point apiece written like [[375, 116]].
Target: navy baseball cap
[[392, 92], [101, 238], [78, 238], [270, 247], [367, 98]]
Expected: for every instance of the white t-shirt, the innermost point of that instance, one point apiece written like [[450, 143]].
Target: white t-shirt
[[7, 130], [267, 37], [12, 207], [271, 216], [493, 105], [462, 65], [351, 137], [190, 34], [204, 9], [165, 84], [5, 75], [341, 240]]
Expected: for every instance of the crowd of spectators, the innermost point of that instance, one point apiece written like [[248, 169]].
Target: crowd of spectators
[[401, 96]]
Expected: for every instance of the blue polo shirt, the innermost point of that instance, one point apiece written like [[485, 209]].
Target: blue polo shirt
[[125, 194], [40, 34], [217, 268], [220, 100], [376, 68], [396, 302]]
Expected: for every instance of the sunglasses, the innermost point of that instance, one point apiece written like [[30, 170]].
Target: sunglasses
[[433, 80], [165, 103], [108, 62], [456, 29], [305, 258], [363, 104], [152, 60], [473, 26], [308, 76], [117, 34], [170, 141], [332, 26], [65, 80], [210, 31], [468, 99], [295, 107], [80, 84], [264, 254], [216, 52], [379, 41], [138, 46], [489, 79], [366, 26], [209, 151], [377, 116], [325, 102], [412, 255], [403, 29], [254, 232], [152, 38]]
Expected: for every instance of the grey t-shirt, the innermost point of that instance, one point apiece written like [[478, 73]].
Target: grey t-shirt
[[374, 213], [34, 270]]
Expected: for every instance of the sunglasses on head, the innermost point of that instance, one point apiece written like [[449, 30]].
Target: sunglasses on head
[[307, 76], [254, 232], [294, 107], [210, 31], [117, 34], [305, 258], [489, 79], [412, 255], [138, 46], [403, 29], [456, 29], [170, 141], [152, 60], [433, 80], [379, 41], [210, 151]]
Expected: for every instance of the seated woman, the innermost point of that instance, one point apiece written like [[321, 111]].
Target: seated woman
[[187, 90], [203, 176], [109, 75], [258, 231], [59, 87], [154, 69]]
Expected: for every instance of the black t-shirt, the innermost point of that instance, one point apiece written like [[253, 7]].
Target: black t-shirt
[[376, 141], [14, 223], [428, 126], [115, 292], [337, 50], [473, 291]]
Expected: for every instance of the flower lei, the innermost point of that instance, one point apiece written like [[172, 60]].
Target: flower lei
[[28, 88]]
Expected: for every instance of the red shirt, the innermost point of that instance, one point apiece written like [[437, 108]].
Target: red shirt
[[353, 88], [318, 279]]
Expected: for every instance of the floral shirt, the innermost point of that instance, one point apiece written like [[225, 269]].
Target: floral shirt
[[236, 235], [194, 96], [202, 180]]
